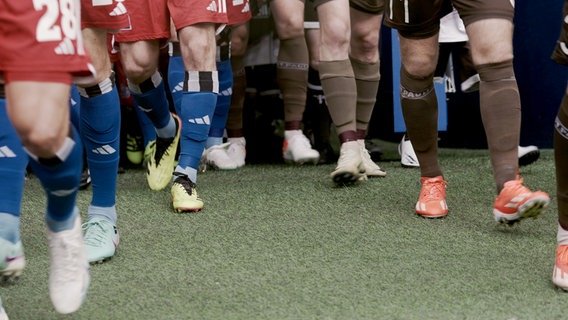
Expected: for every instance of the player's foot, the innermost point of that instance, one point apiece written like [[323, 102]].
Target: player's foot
[[560, 273], [374, 149], [528, 155], [101, 239], [237, 150], [407, 156], [184, 194], [134, 151], [297, 148], [517, 202], [68, 269], [371, 168], [12, 260], [432, 200], [161, 162], [217, 157], [350, 167]]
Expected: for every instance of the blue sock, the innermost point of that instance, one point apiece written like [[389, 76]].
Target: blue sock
[[61, 225], [146, 126], [13, 162], [107, 213], [74, 105], [9, 227], [195, 129], [100, 130], [190, 172], [150, 97], [176, 76], [60, 177], [223, 103], [213, 141]]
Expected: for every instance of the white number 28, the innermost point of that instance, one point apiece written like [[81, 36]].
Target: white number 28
[[48, 29]]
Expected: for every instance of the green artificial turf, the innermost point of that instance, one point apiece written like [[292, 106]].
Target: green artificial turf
[[282, 242]]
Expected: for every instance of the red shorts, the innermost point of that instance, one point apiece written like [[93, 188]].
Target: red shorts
[[105, 14], [238, 11], [190, 12], [45, 40], [149, 20]]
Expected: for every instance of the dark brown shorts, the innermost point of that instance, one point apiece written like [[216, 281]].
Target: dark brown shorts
[[419, 19], [560, 54], [367, 6]]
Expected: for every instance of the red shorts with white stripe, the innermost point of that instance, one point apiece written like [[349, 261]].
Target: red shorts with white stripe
[[105, 14], [149, 20], [238, 11], [42, 39], [190, 12]]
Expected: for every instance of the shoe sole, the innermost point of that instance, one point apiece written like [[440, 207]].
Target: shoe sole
[[184, 210], [432, 217], [100, 261], [9, 277], [531, 209], [529, 158], [302, 161], [12, 273], [346, 178]]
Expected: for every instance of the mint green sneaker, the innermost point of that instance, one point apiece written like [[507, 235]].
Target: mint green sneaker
[[101, 239], [12, 261]]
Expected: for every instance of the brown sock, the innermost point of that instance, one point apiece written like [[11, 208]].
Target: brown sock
[[420, 111], [340, 91], [561, 161], [292, 76], [235, 119], [501, 114], [367, 76]]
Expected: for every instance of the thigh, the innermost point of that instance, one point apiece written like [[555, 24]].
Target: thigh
[[419, 56], [198, 47], [335, 27], [491, 40], [288, 18], [41, 120], [140, 59], [365, 30]]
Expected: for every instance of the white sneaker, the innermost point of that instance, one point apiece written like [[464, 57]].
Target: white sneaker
[[528, 155], [237, 150], [407, 156], [68, 269], [12, 260], [297, 148], [350, 167], [217, 157], [371, 168], [3, 314]]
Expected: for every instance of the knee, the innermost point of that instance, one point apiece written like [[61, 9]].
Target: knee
[[42, 140]]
